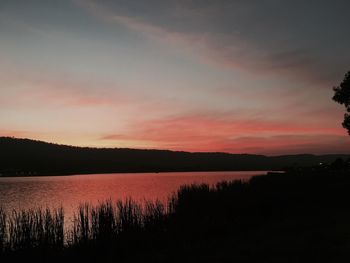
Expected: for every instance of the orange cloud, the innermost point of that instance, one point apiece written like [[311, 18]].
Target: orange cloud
[[203, 133], [291, 144]]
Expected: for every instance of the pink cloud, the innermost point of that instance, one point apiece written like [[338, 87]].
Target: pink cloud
[[203, 133], [33, 90], [292, 144]]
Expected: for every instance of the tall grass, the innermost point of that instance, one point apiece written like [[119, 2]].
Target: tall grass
[[39, 228], [288, 214], [107, 221], [3, 231]]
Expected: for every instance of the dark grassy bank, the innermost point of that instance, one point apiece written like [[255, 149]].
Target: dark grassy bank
[[293, 217], [24, 157]]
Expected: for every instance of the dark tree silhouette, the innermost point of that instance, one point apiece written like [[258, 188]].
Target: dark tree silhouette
[[342, 96]]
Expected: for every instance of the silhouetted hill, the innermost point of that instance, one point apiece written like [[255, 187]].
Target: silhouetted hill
[[30, 157]]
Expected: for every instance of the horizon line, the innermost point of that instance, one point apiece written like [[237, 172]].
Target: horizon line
[[167, 150]]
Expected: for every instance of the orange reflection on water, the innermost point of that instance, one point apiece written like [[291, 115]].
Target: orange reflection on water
[[70, 191]]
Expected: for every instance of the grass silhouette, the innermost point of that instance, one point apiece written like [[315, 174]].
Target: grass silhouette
[[292, 217]]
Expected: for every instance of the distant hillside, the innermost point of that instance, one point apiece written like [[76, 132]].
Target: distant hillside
[[29, 157]]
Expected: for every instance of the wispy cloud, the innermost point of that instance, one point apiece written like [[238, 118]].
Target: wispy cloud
[[237, 76], [290, 144], [222, 37], [222, 133]]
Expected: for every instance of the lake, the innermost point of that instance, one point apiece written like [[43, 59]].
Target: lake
[[70, 191]]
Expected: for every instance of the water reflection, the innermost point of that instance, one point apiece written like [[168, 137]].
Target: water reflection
[[70, 191]]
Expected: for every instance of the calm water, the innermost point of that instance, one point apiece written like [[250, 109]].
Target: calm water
[[70, 191]]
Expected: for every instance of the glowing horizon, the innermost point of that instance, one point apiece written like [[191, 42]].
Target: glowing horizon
[[180, 75]]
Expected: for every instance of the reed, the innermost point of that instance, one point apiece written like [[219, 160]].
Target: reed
[[34, 228], [107, 221], [272, 215], [3, 229]]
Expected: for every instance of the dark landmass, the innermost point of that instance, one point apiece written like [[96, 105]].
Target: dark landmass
[[24, 157], [292, 217]]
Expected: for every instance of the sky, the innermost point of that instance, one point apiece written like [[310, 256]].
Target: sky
[[228, 75]]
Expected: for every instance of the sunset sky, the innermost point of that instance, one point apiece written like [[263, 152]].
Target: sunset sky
[[201, 75]]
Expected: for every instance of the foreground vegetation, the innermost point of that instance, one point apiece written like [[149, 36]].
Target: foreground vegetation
[[292, 217]]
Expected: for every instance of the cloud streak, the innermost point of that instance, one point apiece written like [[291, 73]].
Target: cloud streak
[[203, 132], [260, 42], [238, 76]]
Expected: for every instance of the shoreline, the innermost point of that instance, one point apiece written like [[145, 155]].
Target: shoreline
[[138, 172], [284, 216]]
